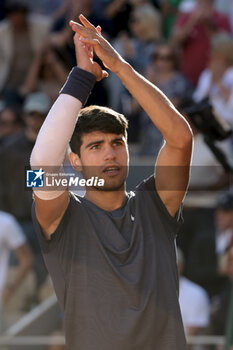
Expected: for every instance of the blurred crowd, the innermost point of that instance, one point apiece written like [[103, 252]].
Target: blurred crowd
[[185, 47]]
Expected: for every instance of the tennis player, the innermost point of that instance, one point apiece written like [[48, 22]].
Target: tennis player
[[111, 254]]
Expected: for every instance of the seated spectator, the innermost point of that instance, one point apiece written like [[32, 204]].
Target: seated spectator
[[14, 158], [12, 239], [216, 82], [193, 32], [20, 36], [207, 262], [10, 124], [164, 73], [46, 74], [194, 303]]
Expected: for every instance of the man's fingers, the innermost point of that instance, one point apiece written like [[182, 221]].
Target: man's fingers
[[99, 29], [76, 26], [86, 23], [82, 31], [92, 42]]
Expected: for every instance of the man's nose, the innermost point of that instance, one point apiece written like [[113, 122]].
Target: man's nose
[[110, 153]]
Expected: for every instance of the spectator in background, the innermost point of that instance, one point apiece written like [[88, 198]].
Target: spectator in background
[[14, 158], [52, 8], [62, 40], [216, 82], [194, 304], [146, 30], [118, 13], [164, 73], [207, 262], [12, 239], [209, 243], [207, 178], [226, 6], [46, 74], [145, 26], [193, 32], [169, 10], [20, 36], [10, 124]]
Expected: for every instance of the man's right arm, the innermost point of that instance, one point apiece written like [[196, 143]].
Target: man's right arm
[[55, 134], [49, 150]]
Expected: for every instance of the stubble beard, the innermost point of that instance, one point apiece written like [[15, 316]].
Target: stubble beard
[[110, 184]]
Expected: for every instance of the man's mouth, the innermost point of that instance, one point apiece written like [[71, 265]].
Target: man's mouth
[[111, 170]]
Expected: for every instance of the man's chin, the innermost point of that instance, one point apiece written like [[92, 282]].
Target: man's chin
[[111, 185], [109, 188]]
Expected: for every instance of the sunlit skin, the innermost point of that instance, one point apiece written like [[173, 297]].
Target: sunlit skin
[[106, 156]]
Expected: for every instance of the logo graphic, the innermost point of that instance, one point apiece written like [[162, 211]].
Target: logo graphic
[[35, 178]]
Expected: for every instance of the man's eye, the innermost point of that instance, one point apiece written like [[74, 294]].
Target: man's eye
[[117, 143], [95, 147]]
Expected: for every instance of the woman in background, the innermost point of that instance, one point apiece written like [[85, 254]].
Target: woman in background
[[216, 82], [164, 73]]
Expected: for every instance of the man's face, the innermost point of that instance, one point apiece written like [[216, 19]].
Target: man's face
[[224, 219], [106, 156]]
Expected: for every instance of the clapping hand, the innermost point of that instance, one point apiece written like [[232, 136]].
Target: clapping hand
[[91, 38]]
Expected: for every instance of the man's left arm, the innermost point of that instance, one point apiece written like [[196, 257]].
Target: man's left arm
[[173, 162]]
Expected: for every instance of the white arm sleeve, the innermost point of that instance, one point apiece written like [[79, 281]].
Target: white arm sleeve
[[54, 136]]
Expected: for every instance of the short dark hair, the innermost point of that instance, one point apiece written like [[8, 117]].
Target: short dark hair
[[97, 118]]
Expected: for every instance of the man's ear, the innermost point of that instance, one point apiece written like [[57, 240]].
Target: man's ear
[[75, 161]]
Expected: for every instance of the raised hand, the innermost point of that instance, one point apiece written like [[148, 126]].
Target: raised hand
[[91, 36], [84, 58]]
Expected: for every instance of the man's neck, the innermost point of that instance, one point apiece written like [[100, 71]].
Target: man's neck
[[105, 199]]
